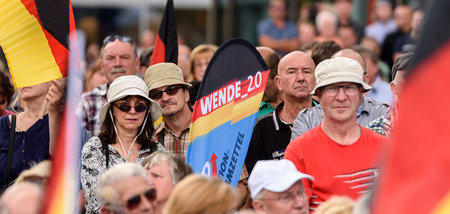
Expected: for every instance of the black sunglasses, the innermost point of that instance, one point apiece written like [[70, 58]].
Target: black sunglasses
[[135, 200], [171, 90], [126, 108], [112, 38]]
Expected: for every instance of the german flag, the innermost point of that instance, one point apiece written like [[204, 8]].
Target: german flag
[[34, 38], [417, 172], [166, 44]]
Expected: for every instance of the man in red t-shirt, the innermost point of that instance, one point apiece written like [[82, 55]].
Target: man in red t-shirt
[[338, 153]]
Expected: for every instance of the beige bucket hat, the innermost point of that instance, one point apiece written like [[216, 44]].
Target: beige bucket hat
[[339, 69], [162, 74], [125, 86]]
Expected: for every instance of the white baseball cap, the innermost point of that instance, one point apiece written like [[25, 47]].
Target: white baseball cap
[[274, 176]]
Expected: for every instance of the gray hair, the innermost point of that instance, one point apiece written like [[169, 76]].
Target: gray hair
[[177, 167], [105, 192]]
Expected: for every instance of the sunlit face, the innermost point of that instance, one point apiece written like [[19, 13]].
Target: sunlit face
[[341, 106], [398, 83], [293, 200], [130, 187], [34, 91], [383, 11], [277, 9], [372, 69], [132, 119], [172, 104], [98, 78], [200, 63], [295, 77], [348, 37], [306, 33], [403, 16], [118, 59], [159, 177]]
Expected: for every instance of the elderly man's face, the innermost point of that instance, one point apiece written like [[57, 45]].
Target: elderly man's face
[[340, 101], [129, 190], [118, 59], [159, 176], [293, 200], [295, 77]]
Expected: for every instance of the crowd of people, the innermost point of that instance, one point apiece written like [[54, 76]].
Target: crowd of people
[[324, 123]]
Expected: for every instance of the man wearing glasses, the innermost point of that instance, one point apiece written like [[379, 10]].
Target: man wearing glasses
[[167, 87], [124, 189], [339, 153], [368, 110], [276, 187], [118, 57]]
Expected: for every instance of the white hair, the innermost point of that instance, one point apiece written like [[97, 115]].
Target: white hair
[[324, 15], [105, 192]]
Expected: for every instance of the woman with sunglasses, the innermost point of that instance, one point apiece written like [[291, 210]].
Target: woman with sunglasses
[[125, 135]]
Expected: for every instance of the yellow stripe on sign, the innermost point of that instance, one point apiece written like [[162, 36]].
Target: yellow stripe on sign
[[26, 48], [228, 112], [443, 207]]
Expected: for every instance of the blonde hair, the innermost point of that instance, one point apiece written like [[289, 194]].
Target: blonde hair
[[203, 48], [336, 205], [39, 172], [196, 194]]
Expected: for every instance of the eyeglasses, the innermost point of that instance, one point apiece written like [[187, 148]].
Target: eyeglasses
[[171, 90], [112, 38], [288, 197], [135, 200], [126, 108], [333, 90]]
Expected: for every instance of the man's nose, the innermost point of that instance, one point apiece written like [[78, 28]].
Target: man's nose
[[146, 206], [341, 95]]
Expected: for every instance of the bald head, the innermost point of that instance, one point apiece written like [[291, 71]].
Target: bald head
[[265, 51], [305, 59], [295, 77]]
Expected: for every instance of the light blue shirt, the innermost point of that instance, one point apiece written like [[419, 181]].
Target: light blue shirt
[[381, 91], [379, 30]]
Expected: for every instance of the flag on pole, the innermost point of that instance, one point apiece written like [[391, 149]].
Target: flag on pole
[[33, 36], [62, 186], [225, 111], [417, 172], [166, 44]]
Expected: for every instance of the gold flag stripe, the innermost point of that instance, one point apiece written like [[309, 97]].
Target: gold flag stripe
[[230, 112], [26, 48]]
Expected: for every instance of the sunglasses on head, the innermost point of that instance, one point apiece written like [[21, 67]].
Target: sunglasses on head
[[135, 200], [171, 90], [126, 108], [112, 38]]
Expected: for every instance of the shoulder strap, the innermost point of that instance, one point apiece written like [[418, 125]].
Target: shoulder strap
[[105, 148], [161, 137], [10, 150]]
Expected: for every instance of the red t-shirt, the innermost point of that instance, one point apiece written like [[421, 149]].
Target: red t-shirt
[[337, 169]]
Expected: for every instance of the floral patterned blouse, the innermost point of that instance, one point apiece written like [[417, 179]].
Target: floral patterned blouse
[[94, 165]]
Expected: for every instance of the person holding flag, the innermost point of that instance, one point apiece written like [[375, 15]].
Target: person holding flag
[[24, 138]]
